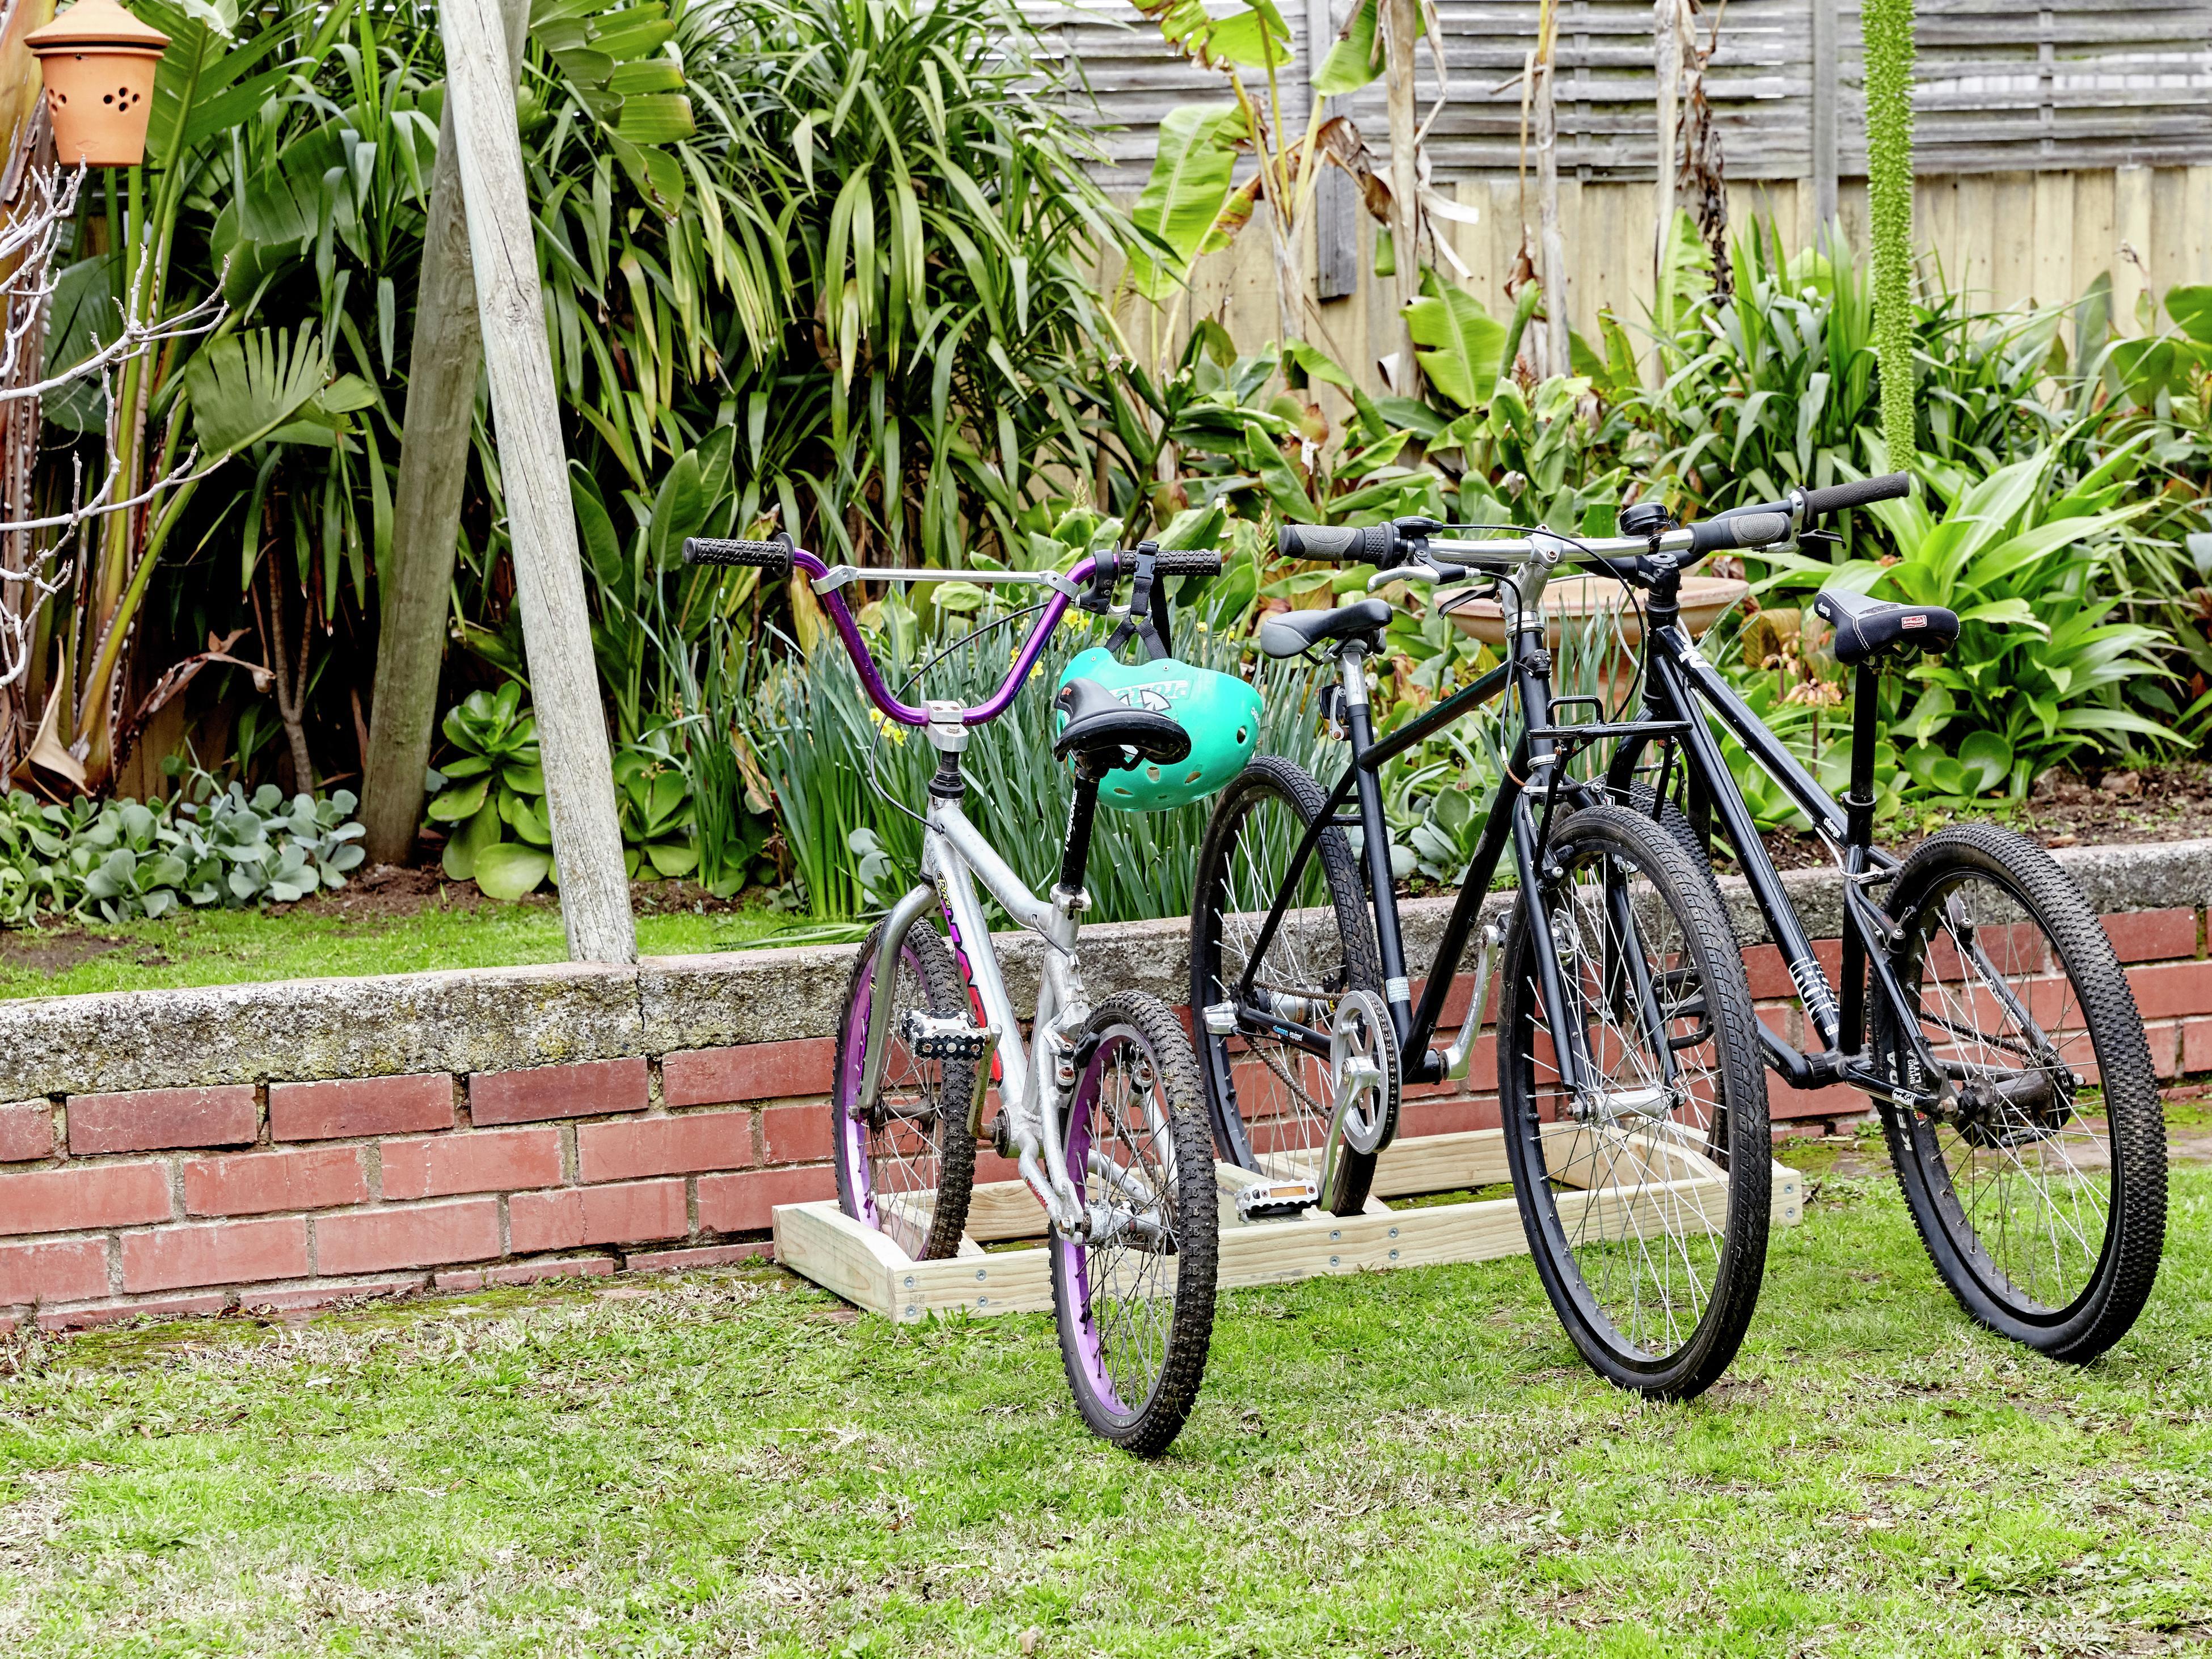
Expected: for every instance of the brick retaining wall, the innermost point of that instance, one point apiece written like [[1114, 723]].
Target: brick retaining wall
[[283, 1146]]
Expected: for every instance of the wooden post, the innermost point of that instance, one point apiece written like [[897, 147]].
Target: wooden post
[[548, 574], [1551, 236], [442, 365], [1401, 22], [1667, 61], [1826, 78], [1336, 225]]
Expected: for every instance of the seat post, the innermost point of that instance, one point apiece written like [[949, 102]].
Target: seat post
[[1075, 851], [1866, 725], [1858, 835]]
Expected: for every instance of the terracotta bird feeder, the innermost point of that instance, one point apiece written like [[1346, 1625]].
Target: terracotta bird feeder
[[98, 61]]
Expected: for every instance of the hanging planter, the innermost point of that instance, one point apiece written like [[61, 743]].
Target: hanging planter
[[98, 61]]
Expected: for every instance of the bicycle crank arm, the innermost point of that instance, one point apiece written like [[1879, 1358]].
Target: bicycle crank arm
[[1455, 1061]]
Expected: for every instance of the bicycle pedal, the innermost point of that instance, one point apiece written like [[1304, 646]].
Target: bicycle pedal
[[1265, 1201], [928, 1037]]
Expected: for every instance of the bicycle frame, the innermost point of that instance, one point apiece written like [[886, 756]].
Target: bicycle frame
[[1686, 693], [1528, 795], [955, 857]]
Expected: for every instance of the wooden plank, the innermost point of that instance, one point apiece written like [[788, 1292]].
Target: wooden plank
[[1003, 1209], [2132, 245], [1442, 1163], [2012, 277], [1976, 269], [549, 571], [2169, 255], [2052, 275], [866, 1268], [822, 1242], [2197, 222], [2094, 252]]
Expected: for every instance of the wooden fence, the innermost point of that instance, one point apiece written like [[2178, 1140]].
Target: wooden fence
[[2009, 238], [2057, 142]]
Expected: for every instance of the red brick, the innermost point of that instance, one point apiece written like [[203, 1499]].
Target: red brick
[[496, 1161], [223, 1252], [1444, 1117], [712, 1255], [1785, 1102], [146, 1119], [585, 1090], [407, 1235], [2167, 989], [72, 1200], [666, 1146], [361, 1106], [1786, 1019], [989, 1166], [2167, 1043], [527, 1272], [2152, 935], [254, 1183], [27, 1131], [564, 1219], [159, 1307], [2196, 1045], [1769, 979], [757, 1071], [65, 1270], [800, 1134], [322, 1296], [742, 1203], [1452, 1014]]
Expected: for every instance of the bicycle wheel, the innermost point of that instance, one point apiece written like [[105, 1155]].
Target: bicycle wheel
[[1134, 1298], [906, 1162], [1645, 1197], [1269, 1096], [2038, 1182]]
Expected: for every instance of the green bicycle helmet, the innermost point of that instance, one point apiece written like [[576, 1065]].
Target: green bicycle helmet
[[1220, 713]]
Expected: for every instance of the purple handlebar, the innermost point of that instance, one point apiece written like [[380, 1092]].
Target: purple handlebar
[[879, 693]]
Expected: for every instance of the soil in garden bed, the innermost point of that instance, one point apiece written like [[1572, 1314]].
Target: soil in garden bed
[[2064, 809]]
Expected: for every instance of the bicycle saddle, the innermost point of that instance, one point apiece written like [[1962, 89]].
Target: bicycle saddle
[[1097, 721], [1866, 629], [1290, 633]]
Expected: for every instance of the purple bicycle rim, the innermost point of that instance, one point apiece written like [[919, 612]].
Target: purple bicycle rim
[[872, 678], [852, 1133], [1090, 1347]]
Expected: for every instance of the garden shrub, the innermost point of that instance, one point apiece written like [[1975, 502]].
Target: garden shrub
[[211, 846]]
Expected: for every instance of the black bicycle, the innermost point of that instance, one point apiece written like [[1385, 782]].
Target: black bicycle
[[1980, 1004], [1634, 1104]]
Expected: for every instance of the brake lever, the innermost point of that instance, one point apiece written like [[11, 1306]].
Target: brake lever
[[1423, 572]]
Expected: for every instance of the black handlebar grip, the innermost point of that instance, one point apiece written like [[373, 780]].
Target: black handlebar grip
[[1890, 487], [1376, 544], [1188, 562], [1739, 529], [767, 556]]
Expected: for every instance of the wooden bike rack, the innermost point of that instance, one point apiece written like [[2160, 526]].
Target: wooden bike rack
[[866, 1268]]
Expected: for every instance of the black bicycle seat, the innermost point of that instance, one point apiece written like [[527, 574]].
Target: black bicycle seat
[[1866, 629], [1292, 633], [1099, 722]]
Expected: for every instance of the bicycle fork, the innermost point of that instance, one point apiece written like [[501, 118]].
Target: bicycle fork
[[1030, 1096]]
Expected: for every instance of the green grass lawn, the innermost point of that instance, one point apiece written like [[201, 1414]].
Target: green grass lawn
[[1407, 1463], [223, 947]]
